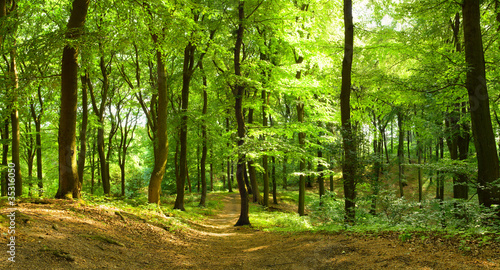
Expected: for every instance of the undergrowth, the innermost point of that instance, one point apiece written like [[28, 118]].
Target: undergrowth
[[466, 220]]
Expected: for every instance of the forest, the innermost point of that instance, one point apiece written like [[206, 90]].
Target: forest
[[251, 126]]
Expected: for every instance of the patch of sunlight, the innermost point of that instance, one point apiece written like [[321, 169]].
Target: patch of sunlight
[[255, 249]]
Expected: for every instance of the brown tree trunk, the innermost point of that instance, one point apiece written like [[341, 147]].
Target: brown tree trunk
[[229, 165], [401, 153], [482, 130], [83, 130], [349, 142], [38, 129], [238, 108], [204, 149], [321, 180], [68, 173], [254, 186], [265, 100], [160, 133], [186, 80], [302, 165]]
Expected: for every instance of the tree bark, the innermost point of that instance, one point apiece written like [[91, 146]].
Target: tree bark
[[349, 143], [265, 100], [204, 149], [238, 108], [187, 71], [229, 165], [302, 164], [401, 152], [482, 130], [160, 141], [68, 172], [83, 130]]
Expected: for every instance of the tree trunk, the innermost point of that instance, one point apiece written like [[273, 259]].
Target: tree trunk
[[321, 181], [482, 130], [204, 142], [160, 141], [265, 100], [302, 165], [254, 186], [401, 157], [229, 165], [238, 108], [350, 159], [38, 129], [83, 131], [285, 159], [92, 167], [68, 172], [186, 80]]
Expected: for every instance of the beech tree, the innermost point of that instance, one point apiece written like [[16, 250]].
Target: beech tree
[[68, 171]]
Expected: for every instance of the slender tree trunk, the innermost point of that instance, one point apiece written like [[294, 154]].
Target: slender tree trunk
[[349, 142], [419, 161], [83, 131], [254, 186], [38, 129], [482, 130], [204, 142], [302, 164], [211, 176], [229, 166], [238, 108], [68, 172], [186, 80], [92, 167], [401, 154], [160, 141], [273, 179], [321, 181], [265, 166], [285, 160]]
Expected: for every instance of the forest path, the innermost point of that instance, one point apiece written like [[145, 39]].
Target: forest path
[[68, 235]]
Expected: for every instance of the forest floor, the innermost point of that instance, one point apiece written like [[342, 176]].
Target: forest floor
[[55, 234]]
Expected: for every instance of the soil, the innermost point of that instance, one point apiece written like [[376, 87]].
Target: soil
[[68, 235]]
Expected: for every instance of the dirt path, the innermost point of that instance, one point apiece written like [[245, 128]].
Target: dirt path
[[54, 237]]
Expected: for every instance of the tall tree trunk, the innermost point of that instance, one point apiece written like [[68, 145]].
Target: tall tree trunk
[[254, 186], [238, 108], [186, 80], [401, 152], [204, 142], [229, 165], [265, 100], [482, 130], [285, 160], [321, 180], [68, 172], [38, 129], [92, 167], [160, 141], [349, 142], [302, 164], [83, 130]]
